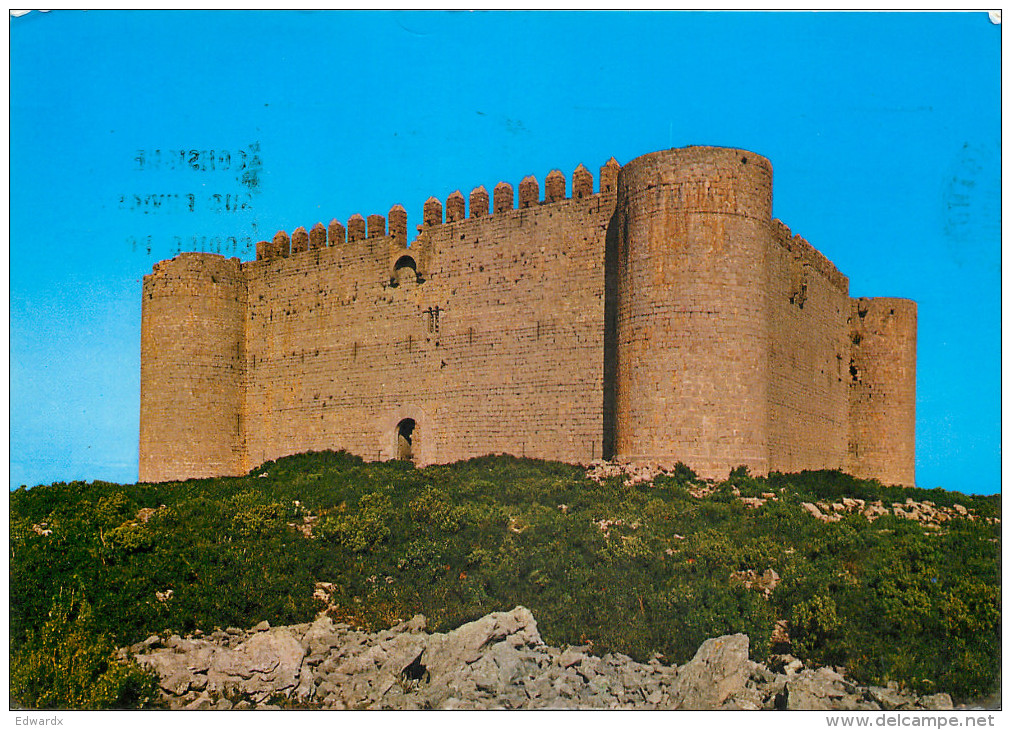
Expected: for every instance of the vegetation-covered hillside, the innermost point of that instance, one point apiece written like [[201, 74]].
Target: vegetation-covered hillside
[[633, 568]]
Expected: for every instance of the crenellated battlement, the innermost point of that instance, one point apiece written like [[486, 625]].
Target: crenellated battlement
[[456, 207], [356, 228], [299, 240], [398, 224], [504, 197], [661, 315], [582, 182], [529, 192], [478, 202], [317, 237], [335, 233], [361, 228]]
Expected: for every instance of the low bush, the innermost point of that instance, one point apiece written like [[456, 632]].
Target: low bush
[[68, 664], [633, 568]]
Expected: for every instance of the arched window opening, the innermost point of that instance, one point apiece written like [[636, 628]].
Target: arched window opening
[[405, 439], [405, 271]]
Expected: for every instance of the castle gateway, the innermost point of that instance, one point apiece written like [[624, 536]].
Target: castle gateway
[[665, 317]]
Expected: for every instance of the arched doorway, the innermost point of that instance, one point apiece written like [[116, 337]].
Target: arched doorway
[[405, 271], [405, 439]]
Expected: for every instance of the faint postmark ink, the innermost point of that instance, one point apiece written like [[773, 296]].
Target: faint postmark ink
[[970, 201], [220, 182], [244, 162], [148, 203], [233, 245]]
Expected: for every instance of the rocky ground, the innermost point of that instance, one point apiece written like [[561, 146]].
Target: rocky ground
[[498, 661], [926, 512]]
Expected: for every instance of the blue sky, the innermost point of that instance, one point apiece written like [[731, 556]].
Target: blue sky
[[883, 131]]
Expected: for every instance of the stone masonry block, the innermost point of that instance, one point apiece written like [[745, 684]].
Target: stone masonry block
[[582, 182], [504, 197], [335, 233], [282, 246], [377, 226], [455, 207], [299, 240], [433, 212], [478, 202], [398, 223], [609, 176], [356, 228], [554, 187], [317, 237], [529, 192]]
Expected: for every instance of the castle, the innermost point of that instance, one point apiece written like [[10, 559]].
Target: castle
[[665, 317]]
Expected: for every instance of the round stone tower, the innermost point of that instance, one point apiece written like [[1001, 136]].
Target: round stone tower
[[882, 426], [692, 334], [192, 367]]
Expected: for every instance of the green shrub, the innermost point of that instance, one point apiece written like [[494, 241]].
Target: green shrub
[[422, 559], [66, 663], [259, 519], [685, 474], [432, 507], [740, 472], [814, 626], [631, 547], [456, 541], [130, 537], [113, 509], [363, 530]]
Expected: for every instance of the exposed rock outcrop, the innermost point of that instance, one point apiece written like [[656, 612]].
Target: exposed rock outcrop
[[926, 512], [498, 661]]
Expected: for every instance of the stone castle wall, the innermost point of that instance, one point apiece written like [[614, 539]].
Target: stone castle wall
[[809, 305], [663, 317], [482, 358]]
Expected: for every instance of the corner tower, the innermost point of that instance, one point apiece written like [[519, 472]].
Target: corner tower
[[882, 402], [692, 335], [192, 369]]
